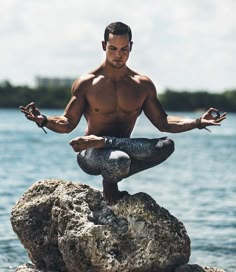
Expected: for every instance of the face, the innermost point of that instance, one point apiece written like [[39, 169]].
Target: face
[[117, 50]]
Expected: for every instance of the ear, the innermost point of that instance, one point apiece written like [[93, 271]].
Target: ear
[[104, 45], [131, 46]]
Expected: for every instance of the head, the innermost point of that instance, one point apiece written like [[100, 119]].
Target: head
[[117, 43]]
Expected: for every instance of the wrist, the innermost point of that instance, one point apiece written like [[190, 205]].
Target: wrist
[[199, 124], [44, 121]]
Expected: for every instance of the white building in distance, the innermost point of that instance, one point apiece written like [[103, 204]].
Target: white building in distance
[[54, 82]]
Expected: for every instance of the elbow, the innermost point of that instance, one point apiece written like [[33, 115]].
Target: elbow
[[69, 129], [164, 128]]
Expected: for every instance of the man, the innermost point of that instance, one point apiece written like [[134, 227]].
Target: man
[[111, 98]]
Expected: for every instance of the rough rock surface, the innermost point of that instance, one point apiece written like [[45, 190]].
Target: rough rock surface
[[68, 226], [182, 268], [195, 268]]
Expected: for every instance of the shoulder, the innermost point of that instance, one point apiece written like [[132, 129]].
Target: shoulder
[[84, 82], [80, 84], [145, 82]]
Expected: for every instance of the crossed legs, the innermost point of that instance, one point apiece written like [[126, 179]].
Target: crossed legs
[[121, 158]]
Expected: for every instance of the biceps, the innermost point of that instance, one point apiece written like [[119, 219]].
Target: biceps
[[155, 113], [74, 110]]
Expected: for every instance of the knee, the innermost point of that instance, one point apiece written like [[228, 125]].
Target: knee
[[123, 164], [167, 145], [170, 145], [118, 168], [88, 166]]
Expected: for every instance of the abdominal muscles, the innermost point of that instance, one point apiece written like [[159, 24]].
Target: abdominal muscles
[[116, 124]]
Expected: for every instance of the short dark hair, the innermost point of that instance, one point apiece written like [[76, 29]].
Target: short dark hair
[[117, 28]]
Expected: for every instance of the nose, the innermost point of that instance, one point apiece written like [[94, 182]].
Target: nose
[[118, 53]]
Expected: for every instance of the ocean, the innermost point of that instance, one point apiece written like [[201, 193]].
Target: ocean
[[197, 184]]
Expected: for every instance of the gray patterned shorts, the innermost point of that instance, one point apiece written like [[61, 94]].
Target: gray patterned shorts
[[123, 157]]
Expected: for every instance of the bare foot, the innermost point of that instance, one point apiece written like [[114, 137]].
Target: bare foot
[[88, 141], [111, 193]]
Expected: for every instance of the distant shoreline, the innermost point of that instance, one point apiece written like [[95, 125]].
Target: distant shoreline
[[172, 100]]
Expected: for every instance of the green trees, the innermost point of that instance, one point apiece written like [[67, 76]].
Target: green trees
[[14, 96], [198, 100]]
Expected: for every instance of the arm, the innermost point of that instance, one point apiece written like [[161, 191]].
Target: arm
[[61, 124], [159, 118]]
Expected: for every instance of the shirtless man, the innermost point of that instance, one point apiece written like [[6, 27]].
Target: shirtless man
[[111, 98]]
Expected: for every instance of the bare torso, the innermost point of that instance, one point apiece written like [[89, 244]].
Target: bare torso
[[112, 106]]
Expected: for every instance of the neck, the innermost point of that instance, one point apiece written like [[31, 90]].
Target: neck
[[113, 72]]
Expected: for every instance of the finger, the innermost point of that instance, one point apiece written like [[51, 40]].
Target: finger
[[220, 119], [24, 110], [224, 114], [30, 106], [214, 112], [73, 142], [217, 114], [31, 118], [28, 114], [77, 148]]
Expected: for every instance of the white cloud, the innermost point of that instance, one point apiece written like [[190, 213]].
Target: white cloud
[[184, 43]]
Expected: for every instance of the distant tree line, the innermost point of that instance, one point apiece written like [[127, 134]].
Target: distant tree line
[[14, 96], [172, 100], [198, 100]]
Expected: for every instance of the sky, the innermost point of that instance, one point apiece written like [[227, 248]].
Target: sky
[[179, 44]]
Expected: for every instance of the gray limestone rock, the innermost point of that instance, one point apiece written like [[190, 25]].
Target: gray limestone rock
[[182, 268], [197, 268], [68, 227]]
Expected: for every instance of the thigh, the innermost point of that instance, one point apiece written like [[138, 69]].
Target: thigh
[[142, 148], [150, 153], [98, 161]]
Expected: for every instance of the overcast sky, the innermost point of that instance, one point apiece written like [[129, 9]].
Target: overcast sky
[[180, 44]]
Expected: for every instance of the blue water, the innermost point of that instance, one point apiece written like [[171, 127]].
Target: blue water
[[197, 183]]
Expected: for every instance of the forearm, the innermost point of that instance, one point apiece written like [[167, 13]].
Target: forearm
[[180, 124], [59, 124]]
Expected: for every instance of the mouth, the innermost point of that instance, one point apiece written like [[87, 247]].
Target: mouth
[[118, 60]]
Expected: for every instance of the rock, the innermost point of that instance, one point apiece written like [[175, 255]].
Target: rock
[[68, 227], [197, 268], [28, 268], [182, 268]]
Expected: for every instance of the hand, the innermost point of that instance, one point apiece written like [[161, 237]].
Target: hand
[[212, 118], [32, 113], [85, 142]]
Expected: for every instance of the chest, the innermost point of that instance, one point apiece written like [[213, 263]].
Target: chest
[[112, 96]]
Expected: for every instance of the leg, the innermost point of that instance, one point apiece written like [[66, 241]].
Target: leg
[[113, 165], [144, 153], [111, 192], [123, 157], [160, 150]]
